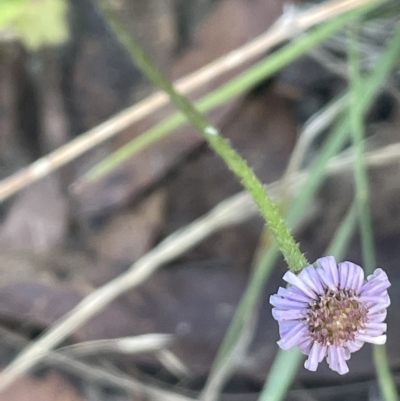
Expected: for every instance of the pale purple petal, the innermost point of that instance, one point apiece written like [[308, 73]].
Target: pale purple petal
[[294, 294], [305, 345], [376, 282], [322, 353], [369, 300], [372, 339], [351, 276], [371, 332], [354, 345], [299, 283], [329, 265], [283, 303], [326, 279], [376, 326], [337, 360], [375, 288], [310, 276], [344, 270], [313, 358], [377, 317], [316, 355], [287, 314], [347, 353], [285, 326], [357, 277], [293, 336], [378, 274], [379, 306], [374, 329]]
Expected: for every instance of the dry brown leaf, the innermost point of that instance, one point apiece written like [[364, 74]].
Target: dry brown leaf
[[130, 233], [37, 220]]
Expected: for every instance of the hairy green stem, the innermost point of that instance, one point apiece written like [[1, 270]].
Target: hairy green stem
[[287, 245]]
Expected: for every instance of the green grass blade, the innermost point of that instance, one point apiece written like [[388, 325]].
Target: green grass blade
[[385, 378], [247, 304], [344, 233], [370, 87], [385, 375], [281, 375], [275, 389]]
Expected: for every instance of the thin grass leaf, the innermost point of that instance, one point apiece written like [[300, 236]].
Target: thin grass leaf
[[250, 298], [370, 87], [343, 234], [312, 128], [126, 345], [356, 117], [385, 378], [336, 140], [281, 375], [385, 375]]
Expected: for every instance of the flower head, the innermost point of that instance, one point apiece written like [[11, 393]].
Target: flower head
[[330, 311]]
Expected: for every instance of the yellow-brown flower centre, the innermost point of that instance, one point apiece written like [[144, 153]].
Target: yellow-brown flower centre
[[336, 317]]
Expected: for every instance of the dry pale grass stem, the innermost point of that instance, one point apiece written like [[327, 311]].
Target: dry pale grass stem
[[98, 374], [284, 29], [231, 211]]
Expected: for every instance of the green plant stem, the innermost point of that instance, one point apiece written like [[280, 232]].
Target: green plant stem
[[275, 390], [247, 304], [281, 375], [244, 81], [343, 234], [360, 171], [287, 245], [385, 377]]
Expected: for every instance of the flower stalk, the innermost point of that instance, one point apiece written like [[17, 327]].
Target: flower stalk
[[287, 245]]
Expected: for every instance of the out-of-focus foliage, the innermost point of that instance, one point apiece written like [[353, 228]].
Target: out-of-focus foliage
[[34, 22]]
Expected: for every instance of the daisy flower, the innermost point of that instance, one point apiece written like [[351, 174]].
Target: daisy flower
[[330, 311]]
